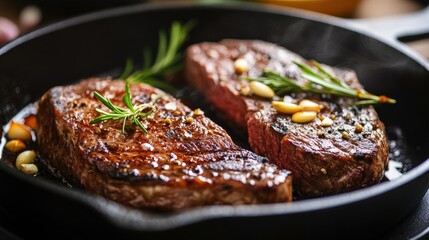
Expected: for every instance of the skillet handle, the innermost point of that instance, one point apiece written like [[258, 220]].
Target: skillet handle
[[396, 27]]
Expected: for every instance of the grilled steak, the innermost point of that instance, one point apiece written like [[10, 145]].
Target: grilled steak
[[179, 164], [323, 160]]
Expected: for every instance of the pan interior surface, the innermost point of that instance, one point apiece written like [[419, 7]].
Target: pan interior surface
[[94, 44]]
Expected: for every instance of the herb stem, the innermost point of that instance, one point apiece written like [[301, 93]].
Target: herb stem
[[318, 82]]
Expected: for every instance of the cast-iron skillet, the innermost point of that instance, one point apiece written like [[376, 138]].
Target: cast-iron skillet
[[68, 51]]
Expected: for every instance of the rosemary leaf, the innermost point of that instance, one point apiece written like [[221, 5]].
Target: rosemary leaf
[[114, 108], [127, 98], [105, 101], [133, 114], [159, 84], [128, 69], [326, 73], [138, 123], [167, 59], [366, 102], [318, 82]]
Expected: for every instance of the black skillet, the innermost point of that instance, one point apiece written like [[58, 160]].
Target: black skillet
[[99, 43]]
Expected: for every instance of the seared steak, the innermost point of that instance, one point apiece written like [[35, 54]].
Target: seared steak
[[323, 160], [180, 163]]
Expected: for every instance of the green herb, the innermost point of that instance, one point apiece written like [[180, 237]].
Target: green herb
[[134, 114], [167, 59], [318, 82]]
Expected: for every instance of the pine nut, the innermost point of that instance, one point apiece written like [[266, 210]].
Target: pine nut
[[245, 91], [304, 117], [261, 89], [358, 128], [19, 131], [15, 145], [326, 122], [307, 105], [285, 107], [28, 168], [167, 121], [198, 112], [25, 157], [189, 120], [332, 116], [345, 135], [240, 66], [348, 116]]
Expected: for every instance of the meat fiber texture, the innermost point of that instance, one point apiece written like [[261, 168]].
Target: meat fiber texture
[[321, 160], [177, 165]]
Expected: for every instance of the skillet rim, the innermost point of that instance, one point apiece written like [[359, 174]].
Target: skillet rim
[[140, 221]]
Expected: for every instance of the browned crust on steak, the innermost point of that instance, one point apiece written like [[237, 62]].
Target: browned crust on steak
[[175, 166], [319, 165], [326, 165]]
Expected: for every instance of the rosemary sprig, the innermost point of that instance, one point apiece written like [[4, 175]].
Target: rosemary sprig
[[167, 59], [133, 113], [318, 82]]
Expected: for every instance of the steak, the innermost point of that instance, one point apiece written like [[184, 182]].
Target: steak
[[323, 160], [185, 160]]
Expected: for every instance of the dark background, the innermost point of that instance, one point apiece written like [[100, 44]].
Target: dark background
[[56, 10]]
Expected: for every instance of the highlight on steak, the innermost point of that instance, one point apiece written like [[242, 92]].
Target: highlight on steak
[[338, 147], [184, 160]]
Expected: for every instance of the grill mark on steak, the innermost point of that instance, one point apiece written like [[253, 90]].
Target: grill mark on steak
[[320, 165], [175, 166]]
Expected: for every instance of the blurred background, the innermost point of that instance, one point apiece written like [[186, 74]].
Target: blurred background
[[20, 16]]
